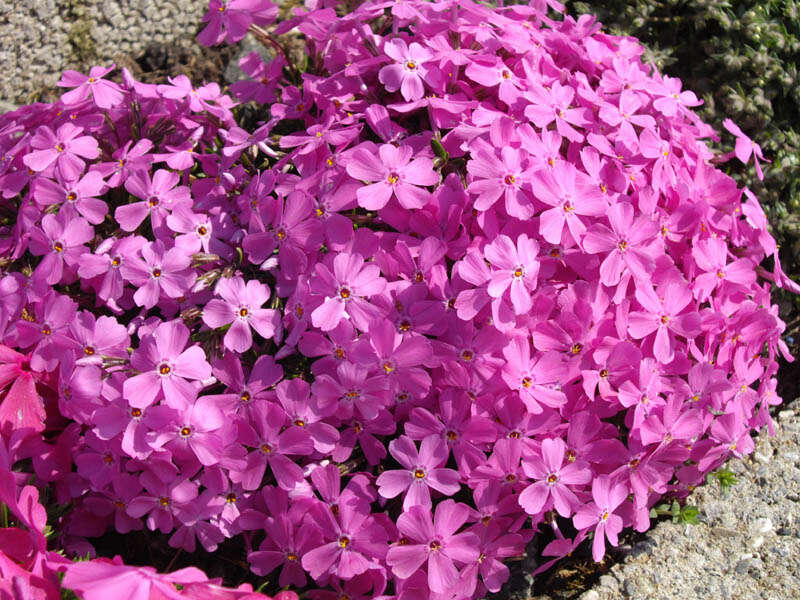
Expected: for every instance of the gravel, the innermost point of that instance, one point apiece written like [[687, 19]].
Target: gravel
[[746, 546], [41, 38]]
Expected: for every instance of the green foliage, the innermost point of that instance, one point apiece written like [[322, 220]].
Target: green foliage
[[685, 515], [724, 476], [742, 58]]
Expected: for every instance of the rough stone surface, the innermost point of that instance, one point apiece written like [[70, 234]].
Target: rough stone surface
[[41, 38], [747, 544]]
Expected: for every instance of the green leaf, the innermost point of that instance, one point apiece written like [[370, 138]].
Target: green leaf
[[439, 150]]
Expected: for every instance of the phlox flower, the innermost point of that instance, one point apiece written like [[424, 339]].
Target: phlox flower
[[607, 496], [61, 243], [345, 290], [158, 270], [515, 268], [422, 472], [506, 176], [106, 94], [240, 307], [74, 196], [162, 499], [536, 379], [167, 366], [159, 196], [65, 148], [294, 395], [553, 479], [243, 393], [391, 171], [195, 431], [745, 147], [409, 71], [228, 20], [434, 541]]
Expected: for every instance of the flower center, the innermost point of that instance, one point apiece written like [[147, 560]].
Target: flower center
[[435, 545], [344, 293], [185, 432], [552, 478], [88, 351], [245, 397], [58, 246], [201, 231], [664, 319], [266, 448], [116, 261], [280, 234], [291, 557], [411, 65], [419, 474], [59, 148], [136, 413], [576, 348], [467, 355], [344, 541], [393, 178], [243, 312], [509, 180], [163, 501], [156, 272], [108, 459], [623, 246], [519, 272], [571, 456], [230, 498], [506, 74], [164, 369], [71, 197], [511, 478], [46, 329], [300, 422], [452, 435], [152, 201], [603, 373], [527, 382], [568, 208], [514, 435], [388, 366]]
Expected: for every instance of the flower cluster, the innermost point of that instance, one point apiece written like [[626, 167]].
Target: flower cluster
[[473, 279]]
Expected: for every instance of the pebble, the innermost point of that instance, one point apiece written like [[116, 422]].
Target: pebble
[[762, 525], [628, 587], [785, 415], [590, 595]]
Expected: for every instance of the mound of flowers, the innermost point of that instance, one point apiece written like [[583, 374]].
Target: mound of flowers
[[472, 278]]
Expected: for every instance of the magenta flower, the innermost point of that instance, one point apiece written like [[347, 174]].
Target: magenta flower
[[167, 366], [106, 94], [554, 479], [435, 542], [506, 176], [571, 194], [627, 243], [391, 171], [228, 20], [159, 197], [665, 317], [241, 308], [745, 147], [163, 498], [514, 269], [608, 495], [78, 196], [408, 72], [345, 290], [158, 270], [65, 148], [422, 472], [61, 242], [354, 542], [265, 433]]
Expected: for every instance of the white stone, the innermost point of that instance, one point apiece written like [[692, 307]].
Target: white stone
[[590, 595]]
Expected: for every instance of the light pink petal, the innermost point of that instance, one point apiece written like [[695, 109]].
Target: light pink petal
[[393, 483]]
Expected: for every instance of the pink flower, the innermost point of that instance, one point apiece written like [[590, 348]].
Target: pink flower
[[745, 147], [392, 173], [241, 308], [514, 269], [435, 542], [159, 197], [158, 270], [167, 366], [422, 472], [106, 94], [408, 72], [61, 242], [345, 290], [65, 148], [554, 479], [608, 495]]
